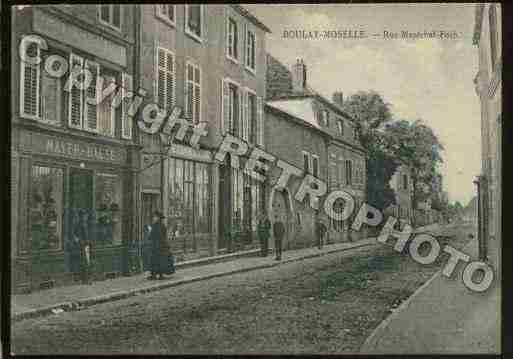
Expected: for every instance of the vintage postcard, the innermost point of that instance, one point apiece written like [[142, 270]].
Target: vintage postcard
[[255, 179]]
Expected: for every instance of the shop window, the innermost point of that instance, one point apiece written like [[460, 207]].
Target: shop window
[[110, 15], [45, 208], [193, 21], [108, 209], [189, 192], [193, 93]]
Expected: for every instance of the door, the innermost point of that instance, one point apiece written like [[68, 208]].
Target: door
[[225, 207], [150, 203], [81, 195]]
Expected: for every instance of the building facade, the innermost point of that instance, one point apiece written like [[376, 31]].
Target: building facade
[[403, 188], [209, 60], [71, 157], [321, 140], [488, 85]]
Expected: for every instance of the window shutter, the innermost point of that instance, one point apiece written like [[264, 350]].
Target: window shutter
[[106, 114], [30, 83], [225, 104], [161, 78], [197, 95], [126, 121], [260, 121], [170, 81], [76, 98], [91, 107]]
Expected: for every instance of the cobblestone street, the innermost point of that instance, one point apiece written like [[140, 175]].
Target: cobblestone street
[[328, 304]]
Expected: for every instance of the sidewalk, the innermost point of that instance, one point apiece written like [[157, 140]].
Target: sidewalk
[[76, 297], [443, 316]]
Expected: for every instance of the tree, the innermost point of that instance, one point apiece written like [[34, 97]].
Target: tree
[[416, 145], [372, 113]]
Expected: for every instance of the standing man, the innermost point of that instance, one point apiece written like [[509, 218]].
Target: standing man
[[159, 248], [279, 233], [320, 230], [264, 232]]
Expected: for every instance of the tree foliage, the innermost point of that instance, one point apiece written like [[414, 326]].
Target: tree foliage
[[372, 113]]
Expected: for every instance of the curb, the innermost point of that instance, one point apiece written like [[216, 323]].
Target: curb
[[110, 297], [372, 339]]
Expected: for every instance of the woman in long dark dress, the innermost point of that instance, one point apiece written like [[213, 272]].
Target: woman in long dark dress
[[159, 248]]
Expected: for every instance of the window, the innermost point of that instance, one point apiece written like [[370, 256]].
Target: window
[[405, 182], [492, 17], [40, 93], [234, 110], [340, 125], [110, 15], [84, 111], [323, 118], [349, 173], [355, 133], [167, 13], [232, 40], [193, 93], [108, 209], [315, 166], [306, 162], [45, 209], [193, 21], [188, 197], [252, 117], [250, 50], [165, 79]]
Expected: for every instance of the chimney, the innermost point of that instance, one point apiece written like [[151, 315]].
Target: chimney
[[299, 76], [338, 98]]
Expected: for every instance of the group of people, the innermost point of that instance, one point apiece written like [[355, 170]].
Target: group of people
[[161, 260], [279, 230]]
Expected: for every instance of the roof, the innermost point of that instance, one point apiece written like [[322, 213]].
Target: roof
[[478, 20], [250, 17], [300, 109]]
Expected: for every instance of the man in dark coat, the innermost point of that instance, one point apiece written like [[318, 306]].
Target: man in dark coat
[[320, 230], [159, 248], [279, 233], [264, 232], [81, 237]]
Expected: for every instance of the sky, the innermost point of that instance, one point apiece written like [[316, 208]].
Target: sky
[[428, 79]]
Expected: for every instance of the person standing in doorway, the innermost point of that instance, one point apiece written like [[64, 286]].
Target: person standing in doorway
[[159, 248], [279, 233], [81, 236], [264, 232]]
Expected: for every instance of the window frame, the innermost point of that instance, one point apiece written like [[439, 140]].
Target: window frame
[[256, 135], [349, 172], [195, 67], [187, 30], [156, 72], [235, 40], [29, 249], [317, 167], [111, 16], [246, 50], [306, 155], [229, 82], [160, 15]]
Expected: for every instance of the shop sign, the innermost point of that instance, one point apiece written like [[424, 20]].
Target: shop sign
[[71, 148]]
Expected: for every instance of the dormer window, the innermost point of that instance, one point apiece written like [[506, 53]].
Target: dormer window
[[323, 118], [110, 15], [340, 126]]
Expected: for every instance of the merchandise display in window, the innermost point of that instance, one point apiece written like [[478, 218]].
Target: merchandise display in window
[[45, 208]]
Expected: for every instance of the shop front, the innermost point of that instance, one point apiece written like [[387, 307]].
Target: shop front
[[61, 179]]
